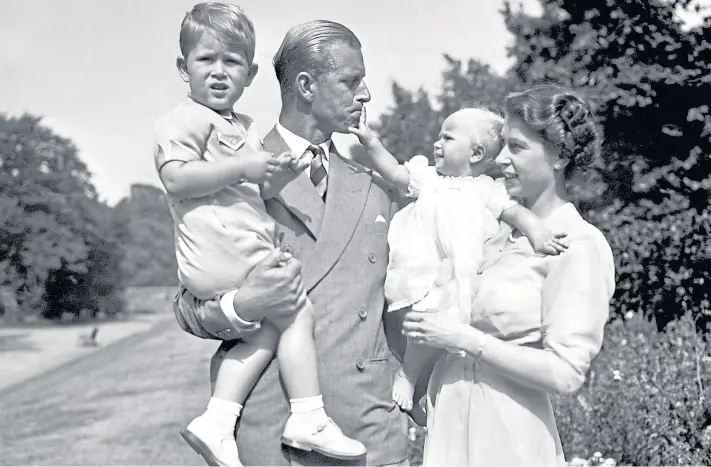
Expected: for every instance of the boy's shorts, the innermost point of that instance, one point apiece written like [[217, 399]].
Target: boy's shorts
[[204, 318]]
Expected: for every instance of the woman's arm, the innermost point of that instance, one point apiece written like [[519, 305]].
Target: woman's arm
[[575, 302]]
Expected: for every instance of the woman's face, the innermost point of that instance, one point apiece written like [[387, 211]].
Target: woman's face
[[526, 161]]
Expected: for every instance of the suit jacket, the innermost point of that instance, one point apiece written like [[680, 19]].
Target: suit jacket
[[344, 254]]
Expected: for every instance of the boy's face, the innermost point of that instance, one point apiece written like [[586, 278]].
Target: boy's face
[[454, 149], [216, 73]]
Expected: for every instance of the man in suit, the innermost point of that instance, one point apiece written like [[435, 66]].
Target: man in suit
[[334, 219]]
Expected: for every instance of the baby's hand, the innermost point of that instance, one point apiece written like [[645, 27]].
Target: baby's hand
[[362, 131], [550, 244]]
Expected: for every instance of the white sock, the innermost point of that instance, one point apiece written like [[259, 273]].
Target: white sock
[[309, 407], [223, 411]]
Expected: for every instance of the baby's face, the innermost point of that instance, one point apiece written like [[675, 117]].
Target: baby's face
[[217, 74], [453, 149]]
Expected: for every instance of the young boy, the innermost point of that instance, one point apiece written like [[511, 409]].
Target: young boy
[[211, 163]]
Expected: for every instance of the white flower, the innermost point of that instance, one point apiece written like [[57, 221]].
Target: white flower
[[629, 315]]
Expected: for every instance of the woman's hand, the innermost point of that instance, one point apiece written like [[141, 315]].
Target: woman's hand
[[435, 329]]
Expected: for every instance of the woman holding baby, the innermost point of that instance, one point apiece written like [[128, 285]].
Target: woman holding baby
[[536, 321]]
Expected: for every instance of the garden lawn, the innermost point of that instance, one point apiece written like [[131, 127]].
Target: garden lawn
[[123, 405]]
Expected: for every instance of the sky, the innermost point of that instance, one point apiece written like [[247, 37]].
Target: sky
[[101, 72]]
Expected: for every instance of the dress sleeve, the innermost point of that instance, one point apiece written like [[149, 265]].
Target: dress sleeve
[[179, 136], [421, 173], [575, 300], [499, 198], [575, 307]]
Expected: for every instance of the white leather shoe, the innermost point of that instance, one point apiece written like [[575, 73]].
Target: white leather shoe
[[217, 450], [326, 439]]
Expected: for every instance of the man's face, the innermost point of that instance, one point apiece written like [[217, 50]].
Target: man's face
[[339, 94]]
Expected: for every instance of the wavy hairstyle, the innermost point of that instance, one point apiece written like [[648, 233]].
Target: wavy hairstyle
[[226, 21], [306, 48], [563, 119]]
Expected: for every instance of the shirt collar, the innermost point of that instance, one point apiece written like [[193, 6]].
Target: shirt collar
[[299, 145]]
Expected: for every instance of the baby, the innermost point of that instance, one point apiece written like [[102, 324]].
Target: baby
[[442, 233], [211, 163]]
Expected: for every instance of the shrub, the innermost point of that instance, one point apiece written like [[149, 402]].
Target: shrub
[[645, 401]]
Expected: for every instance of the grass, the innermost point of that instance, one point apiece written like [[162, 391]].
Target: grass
[[123, 405]]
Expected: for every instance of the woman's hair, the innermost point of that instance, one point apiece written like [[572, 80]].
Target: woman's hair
[[563, 119], [226, 21], [306, 48]]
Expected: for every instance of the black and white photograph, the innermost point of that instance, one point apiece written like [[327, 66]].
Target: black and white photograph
[[369, 233]]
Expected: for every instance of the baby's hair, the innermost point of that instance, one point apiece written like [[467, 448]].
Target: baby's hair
[[563, 119], [227, 22], [488, 129]]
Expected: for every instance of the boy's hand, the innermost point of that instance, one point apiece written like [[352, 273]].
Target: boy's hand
[[258, 165], [550, 244], [288, 161], [362, 131]]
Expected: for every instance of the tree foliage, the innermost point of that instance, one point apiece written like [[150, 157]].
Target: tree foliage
[[647, 79], [148, 244], [57, 251]]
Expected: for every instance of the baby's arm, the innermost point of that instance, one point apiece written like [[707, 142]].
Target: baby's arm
[[542, 239], [180, 144], [380, 159]]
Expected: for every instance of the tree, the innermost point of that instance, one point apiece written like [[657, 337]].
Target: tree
[[648, 80], [148, 242], [50, 232]]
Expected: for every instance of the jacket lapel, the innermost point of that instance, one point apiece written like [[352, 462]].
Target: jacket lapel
[[299, 196], [348, 187]]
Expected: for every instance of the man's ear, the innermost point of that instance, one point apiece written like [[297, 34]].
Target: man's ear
[[477, 154], [253, 69], [305, 84], [182, 66]]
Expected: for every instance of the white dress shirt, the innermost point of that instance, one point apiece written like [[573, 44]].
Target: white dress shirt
[[300, 147]]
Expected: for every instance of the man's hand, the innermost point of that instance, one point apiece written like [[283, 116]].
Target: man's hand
[[272, 290], [363, 132]]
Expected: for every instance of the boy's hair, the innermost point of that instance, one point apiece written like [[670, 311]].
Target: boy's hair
[[488, 129], [227, 22]]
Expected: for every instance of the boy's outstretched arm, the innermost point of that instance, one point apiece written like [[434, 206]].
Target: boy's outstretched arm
[[379, 157]]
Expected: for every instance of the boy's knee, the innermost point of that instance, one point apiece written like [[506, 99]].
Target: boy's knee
[[267, 337]]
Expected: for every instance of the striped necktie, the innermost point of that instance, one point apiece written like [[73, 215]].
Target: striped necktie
[[319, 177]]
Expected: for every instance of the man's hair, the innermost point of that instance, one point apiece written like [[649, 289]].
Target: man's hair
[[306, 47], [227, 22]]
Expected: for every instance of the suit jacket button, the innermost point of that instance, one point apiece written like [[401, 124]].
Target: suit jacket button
[[363, 313], [371, 258], [360, 364]]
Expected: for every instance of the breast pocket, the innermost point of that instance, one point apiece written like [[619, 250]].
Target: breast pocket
[[377, 227]]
